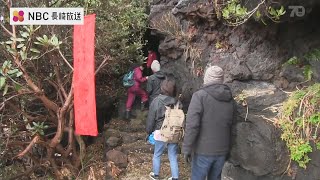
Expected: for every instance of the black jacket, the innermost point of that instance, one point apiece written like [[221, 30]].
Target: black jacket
[[209, 119], [154, 83], [157, 111]]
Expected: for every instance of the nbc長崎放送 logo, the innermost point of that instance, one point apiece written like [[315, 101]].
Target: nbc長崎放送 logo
[[18, 16], [46, 16]]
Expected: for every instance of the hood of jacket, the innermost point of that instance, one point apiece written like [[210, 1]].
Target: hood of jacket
[[220, 92], [167, 100], [159, 75]]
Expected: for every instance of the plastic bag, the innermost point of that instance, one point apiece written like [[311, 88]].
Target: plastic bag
[[151, 139]]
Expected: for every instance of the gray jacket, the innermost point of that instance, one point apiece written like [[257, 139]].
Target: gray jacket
[[154, 83], [157, 111], [209, 120]]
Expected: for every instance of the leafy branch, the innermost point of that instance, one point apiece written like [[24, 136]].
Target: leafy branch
[[235, 14], [275, 14]]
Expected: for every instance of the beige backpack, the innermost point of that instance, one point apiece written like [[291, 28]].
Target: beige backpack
[[172, 129]]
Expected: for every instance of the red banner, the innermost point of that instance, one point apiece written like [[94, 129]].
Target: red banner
[[84, 77]]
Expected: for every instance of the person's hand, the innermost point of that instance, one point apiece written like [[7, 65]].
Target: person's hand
[[187, 158]]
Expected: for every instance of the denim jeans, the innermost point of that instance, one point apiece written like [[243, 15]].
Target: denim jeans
[[207, 166], [159, 148]]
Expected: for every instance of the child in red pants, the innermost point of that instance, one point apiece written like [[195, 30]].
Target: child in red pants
[[136, 90]]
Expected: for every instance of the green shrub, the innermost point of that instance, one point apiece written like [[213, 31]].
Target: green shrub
[[121, 25], [299, 122]]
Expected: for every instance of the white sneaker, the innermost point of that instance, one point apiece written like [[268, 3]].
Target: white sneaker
[[153, 176], [170, 178]]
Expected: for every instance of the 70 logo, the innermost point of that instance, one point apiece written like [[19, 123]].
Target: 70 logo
[[298, 11]]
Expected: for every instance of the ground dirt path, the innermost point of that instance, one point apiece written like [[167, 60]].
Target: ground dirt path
[[128, 138], [132, 143]]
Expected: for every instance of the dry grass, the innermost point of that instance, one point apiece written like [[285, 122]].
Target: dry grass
[[193, 54], [167, 24], [170, 26]]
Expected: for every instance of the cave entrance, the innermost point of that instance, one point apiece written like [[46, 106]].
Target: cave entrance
[[153, 43]]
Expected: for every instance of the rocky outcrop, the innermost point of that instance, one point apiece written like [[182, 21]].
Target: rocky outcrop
[[119, 158], [252, 56], [113, 142], [257, 145]]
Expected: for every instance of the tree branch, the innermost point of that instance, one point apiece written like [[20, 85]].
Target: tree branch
[[57, 89], [61, 114], [102, 64], [27, 149], [6, 30], [3, 103], [59, 80], [47, 102], [82, 148], [65, 60], [71, 131], [29, 117]]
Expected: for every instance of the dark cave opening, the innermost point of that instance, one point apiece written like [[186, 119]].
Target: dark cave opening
[[152, 42]]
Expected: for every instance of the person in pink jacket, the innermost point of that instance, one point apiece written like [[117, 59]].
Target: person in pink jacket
[[136, 90]]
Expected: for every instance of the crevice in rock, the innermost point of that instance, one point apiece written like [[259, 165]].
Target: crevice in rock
[[153, 42]]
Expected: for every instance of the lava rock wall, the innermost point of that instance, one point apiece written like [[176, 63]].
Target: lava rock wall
[[252, 56]]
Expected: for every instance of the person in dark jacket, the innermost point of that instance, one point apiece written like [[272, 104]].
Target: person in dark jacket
[[154, 122], [208, 127], [136, 90], [154, 81]]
